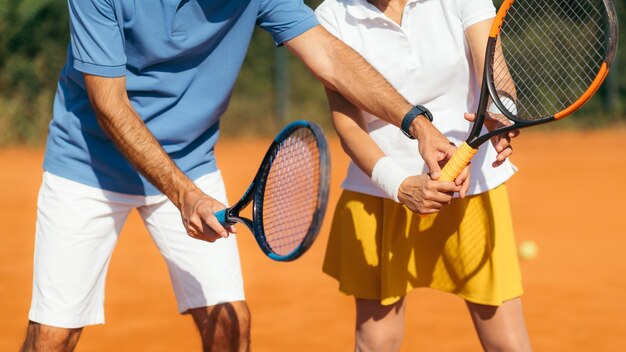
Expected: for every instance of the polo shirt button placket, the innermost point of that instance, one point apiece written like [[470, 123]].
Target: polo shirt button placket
[[411, 61]]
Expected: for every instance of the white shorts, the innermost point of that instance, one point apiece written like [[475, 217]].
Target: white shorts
[[77, 229]]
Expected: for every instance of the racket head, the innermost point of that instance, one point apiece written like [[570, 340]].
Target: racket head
[[291, 192], [544, 60], [547, 58]]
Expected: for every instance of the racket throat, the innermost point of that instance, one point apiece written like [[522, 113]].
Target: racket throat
[[481, 112], [223, 217]]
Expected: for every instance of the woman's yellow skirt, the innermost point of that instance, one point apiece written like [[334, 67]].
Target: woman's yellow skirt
[[380, 250]]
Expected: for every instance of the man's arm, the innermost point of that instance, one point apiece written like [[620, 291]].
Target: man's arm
[[343, 70], [123, 125]]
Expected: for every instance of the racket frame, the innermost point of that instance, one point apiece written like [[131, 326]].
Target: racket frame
[[488, 90], [474, 139], [256, 192]]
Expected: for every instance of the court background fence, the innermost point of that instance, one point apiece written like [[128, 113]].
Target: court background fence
[[273, 87]]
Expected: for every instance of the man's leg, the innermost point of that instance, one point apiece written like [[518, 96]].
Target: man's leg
[[41, 337], [223, 327], [378, 327], [77, 229], [500, 328], [206, 276]]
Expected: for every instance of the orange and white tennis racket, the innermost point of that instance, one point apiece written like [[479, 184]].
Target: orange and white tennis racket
[[544, 60]]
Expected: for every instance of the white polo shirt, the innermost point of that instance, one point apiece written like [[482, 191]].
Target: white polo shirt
[[428, 61]]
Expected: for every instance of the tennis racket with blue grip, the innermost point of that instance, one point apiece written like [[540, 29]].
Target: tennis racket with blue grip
[[289, 193]]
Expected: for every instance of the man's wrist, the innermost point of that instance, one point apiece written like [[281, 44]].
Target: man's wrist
[[418, 111]]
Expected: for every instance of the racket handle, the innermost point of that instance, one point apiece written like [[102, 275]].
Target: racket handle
[[221, 216], [458, 162]]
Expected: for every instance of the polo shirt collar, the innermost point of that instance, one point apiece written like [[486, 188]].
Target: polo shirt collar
[[362, 10]]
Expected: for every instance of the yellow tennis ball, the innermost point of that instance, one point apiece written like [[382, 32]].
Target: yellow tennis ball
[[527, 250]]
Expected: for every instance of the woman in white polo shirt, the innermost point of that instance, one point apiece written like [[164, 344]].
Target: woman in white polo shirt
[[379, 249]]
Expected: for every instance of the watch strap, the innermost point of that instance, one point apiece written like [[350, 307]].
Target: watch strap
[[415, 111]]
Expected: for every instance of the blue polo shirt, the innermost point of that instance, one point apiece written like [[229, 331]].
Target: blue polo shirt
[[180, 58]]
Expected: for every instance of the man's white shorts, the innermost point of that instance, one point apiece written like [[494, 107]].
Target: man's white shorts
[[77, 229]]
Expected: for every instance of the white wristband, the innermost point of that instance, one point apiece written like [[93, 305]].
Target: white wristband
[[388, 175], [507, 102]]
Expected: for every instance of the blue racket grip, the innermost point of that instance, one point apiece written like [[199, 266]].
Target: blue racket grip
[[221, 216]]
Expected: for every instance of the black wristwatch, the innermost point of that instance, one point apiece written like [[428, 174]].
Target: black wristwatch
[[411, 115]]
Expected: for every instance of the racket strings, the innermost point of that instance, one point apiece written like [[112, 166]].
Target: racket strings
[[548, 54], [290, 200]]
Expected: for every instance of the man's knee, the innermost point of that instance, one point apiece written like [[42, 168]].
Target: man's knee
[[41, 337], [224, 327]]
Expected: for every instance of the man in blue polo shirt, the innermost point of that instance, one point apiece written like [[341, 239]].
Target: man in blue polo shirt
[[135, 122]]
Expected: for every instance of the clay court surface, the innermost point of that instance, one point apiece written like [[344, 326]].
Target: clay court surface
[[569, 197]]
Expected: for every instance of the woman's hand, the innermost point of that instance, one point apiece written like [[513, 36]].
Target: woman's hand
[[501, 142], [423, 195]]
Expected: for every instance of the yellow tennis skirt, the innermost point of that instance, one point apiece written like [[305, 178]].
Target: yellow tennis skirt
[[380, 250]]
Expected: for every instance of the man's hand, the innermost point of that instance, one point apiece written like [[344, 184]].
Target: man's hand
[[197, 212], [434, 147], [423, 195], [436, 150], [502, 143]]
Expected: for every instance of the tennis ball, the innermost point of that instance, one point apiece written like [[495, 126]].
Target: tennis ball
[[527, 250]]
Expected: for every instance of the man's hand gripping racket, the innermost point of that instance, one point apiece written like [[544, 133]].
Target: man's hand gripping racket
[[288, 194], [544, 60]]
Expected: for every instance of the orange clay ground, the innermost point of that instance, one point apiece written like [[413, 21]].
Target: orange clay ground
[[569, 197]]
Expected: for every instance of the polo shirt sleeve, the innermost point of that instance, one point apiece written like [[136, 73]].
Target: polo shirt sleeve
[[285, 19], [96, 38], [474, 11]]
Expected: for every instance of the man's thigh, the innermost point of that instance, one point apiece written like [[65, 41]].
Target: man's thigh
[[76, 231], [202, 274]]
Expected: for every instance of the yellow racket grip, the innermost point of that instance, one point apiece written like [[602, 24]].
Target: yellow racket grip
[[458, 162]]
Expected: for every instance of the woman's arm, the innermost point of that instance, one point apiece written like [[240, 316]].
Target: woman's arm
[[477, 36], [419, 193]]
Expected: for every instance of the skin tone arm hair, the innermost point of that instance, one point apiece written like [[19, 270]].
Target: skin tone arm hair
[[336, 65]]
